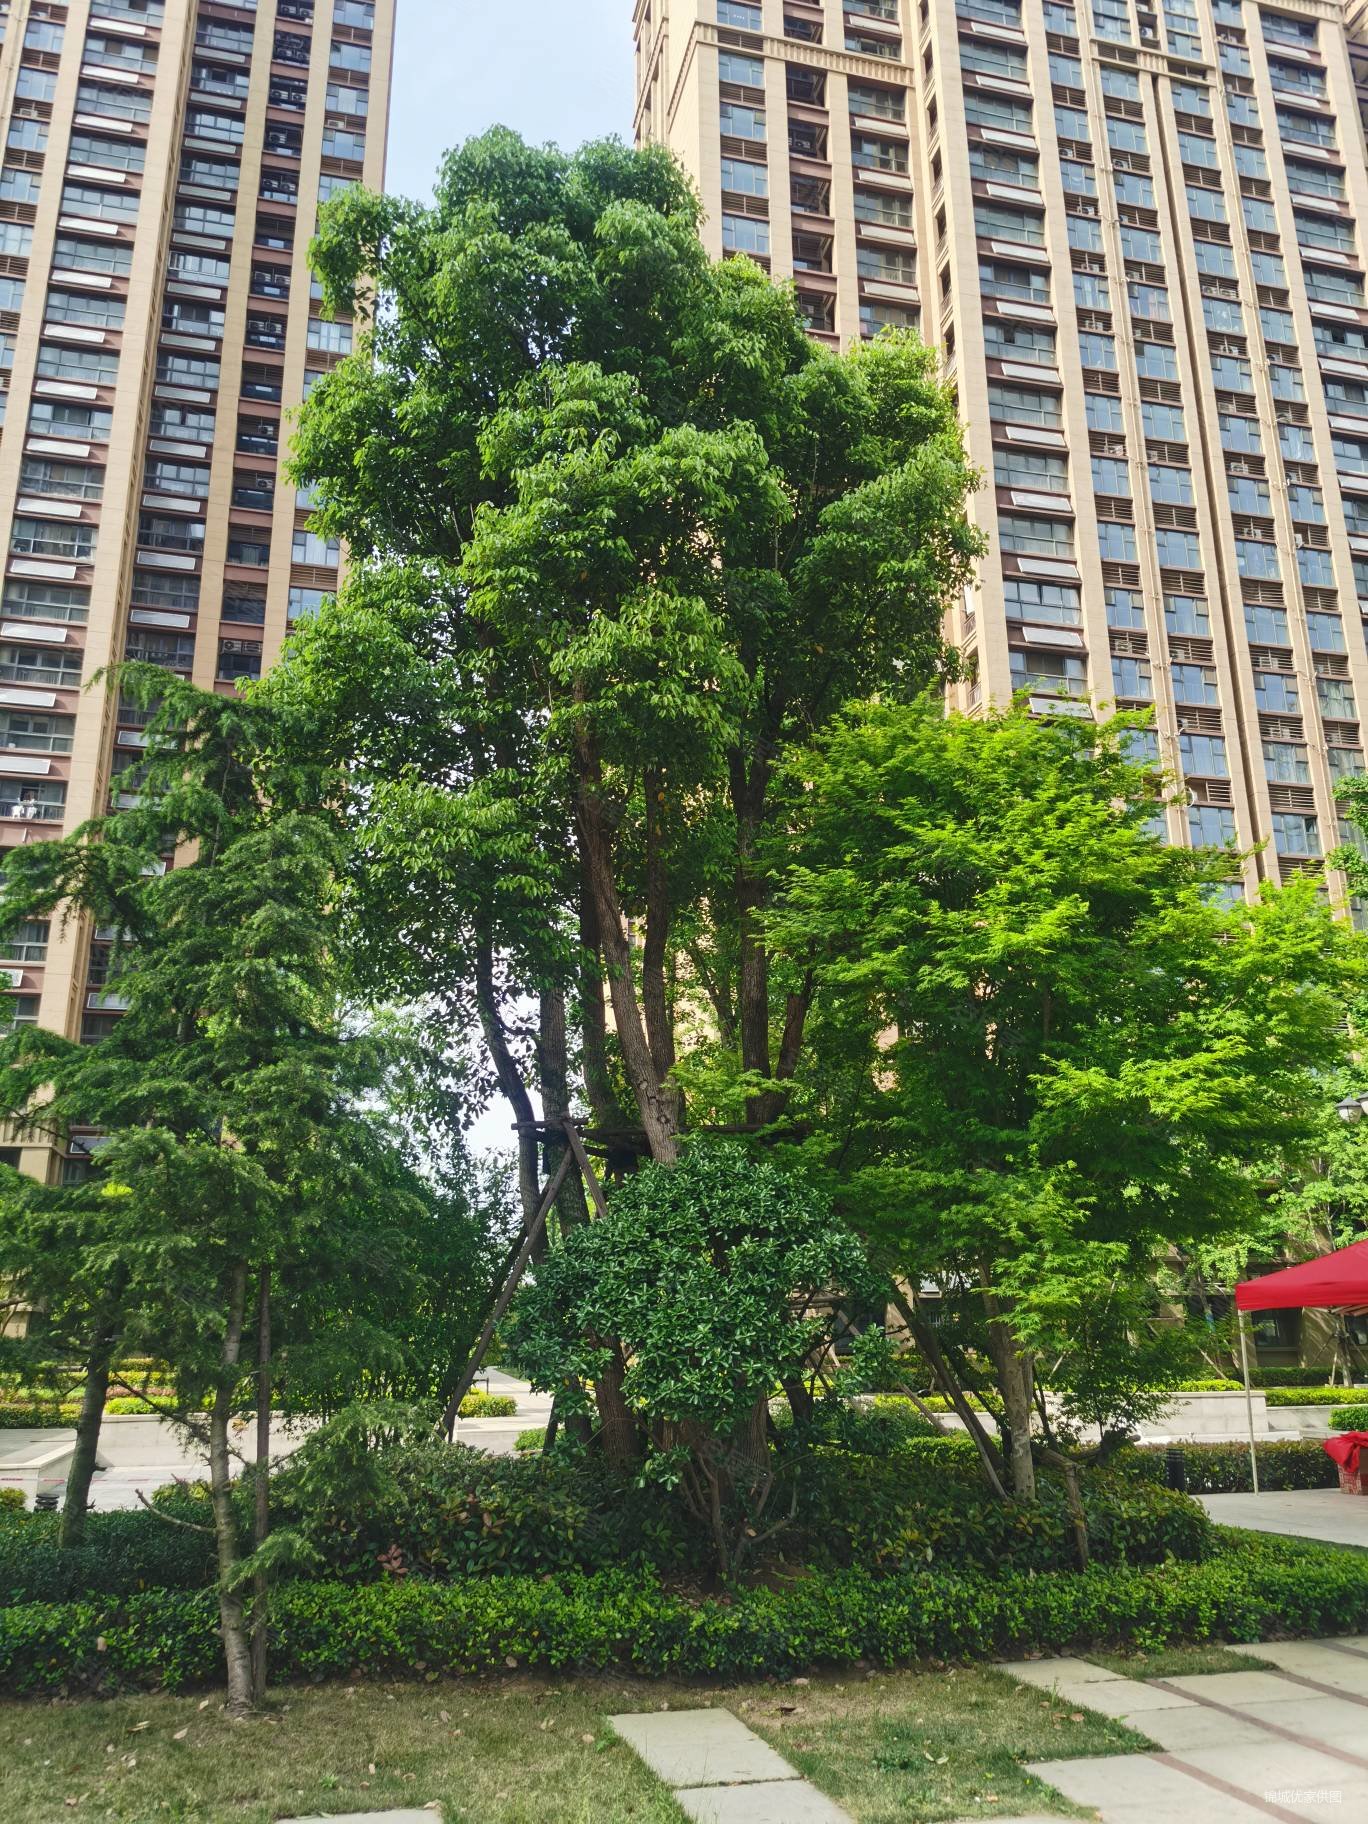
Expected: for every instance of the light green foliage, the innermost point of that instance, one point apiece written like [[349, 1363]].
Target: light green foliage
[[620, 531], [1044, 1050]]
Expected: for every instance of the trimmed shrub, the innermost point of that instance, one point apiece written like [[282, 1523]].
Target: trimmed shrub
[[531, 1439], [12, 1501], [619, 1621], [1290, 1377], [859, 1510], [1349, 1418], [1307, 1396], [452, 1510], [488, 1406], [122, 1553], [30, 1415], [1223, 1469]]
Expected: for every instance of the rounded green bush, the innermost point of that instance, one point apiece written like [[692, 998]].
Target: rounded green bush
[[1349, 1418]]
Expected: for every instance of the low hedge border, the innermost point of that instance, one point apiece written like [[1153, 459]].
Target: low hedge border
[[1349, 1418], [1307, 1396], [488, 1406], [1212, 1468], [616, 1621]]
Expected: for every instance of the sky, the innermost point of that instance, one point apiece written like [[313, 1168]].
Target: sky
[[553, 69]]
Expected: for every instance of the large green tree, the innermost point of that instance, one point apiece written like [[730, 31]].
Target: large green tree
[[252, 1215], [1046, 1046], [620, 532]]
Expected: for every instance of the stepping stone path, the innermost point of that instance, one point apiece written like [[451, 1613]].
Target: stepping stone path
[[1233, 1747], [721, 1772]]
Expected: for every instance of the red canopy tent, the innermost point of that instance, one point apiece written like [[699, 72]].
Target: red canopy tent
[[1335, 1282]]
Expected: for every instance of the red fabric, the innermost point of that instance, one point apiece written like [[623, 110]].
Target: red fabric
[[1337, 1281], [1346, 1449]]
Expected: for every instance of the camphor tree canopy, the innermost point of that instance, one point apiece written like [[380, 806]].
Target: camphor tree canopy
[[621, 531]]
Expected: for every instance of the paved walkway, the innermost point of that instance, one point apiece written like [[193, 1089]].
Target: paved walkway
[[721, 1772], [1231, 1747], [143, 1453], [1306, 1513]]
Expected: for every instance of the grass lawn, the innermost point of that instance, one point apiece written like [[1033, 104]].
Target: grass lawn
[[1179, 1662], [895, 1748]]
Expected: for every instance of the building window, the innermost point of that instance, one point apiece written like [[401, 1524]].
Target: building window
[[1210, 826]]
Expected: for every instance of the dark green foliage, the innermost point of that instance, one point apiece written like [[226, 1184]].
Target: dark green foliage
[[692, 1299], [1223, 1469], [120, 1554], [1251, 1590], [871, 1426], [450, 1511], [889, 1515]]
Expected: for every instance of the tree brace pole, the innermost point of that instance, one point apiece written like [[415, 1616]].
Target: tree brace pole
[[447, 1424]]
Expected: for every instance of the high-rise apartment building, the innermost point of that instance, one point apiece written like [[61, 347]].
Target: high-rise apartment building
[[1136, 231], [163, 164]]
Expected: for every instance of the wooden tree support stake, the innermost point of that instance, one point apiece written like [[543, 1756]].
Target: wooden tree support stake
[[576, 1155]]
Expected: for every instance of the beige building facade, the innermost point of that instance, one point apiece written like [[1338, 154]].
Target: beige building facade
[[163, 165], [1135, 231]]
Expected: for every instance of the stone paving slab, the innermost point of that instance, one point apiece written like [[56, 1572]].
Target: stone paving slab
[[1344, 1667], [1064, 1670], [1123, 1697], [1237, 1688], [1193, 1726], [1339, 1800], [374, 1817], [1137, 1789], [1303, 1513], [1327, 1720], [700, 1747], [771, 1802]]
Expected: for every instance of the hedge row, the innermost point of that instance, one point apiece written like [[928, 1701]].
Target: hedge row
[[1307, 1396], [1212, 1469], [122, 1553], [1349, 1418], [1223, 1469], [628, 1623]]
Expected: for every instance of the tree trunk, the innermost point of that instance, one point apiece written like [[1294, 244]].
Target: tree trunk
[[799, 1396], [261, 1512], [655, 996], [237, 1646], [1014, 1383], [81, 1470], [752, 997], [617, 1428], [770, 1106], [509, 1079], [553, 1072], [596, 849]]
